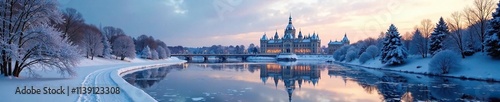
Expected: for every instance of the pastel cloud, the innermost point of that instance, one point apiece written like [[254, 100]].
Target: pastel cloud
[[241, 22]]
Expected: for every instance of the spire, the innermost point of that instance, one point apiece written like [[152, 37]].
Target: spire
[[300, 34], [264, 37], [276, 35], [290, 19], [314, 35]]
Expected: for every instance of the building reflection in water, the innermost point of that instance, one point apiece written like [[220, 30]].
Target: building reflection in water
[[290, 74]]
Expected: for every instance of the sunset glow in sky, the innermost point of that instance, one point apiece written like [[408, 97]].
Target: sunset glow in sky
[[195, 23]]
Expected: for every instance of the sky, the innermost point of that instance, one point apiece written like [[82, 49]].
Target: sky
[[196, 23]]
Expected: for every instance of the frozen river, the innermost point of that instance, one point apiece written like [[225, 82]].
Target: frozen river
[[301, 82]]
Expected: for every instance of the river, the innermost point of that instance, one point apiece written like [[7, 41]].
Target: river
[[301, 82]]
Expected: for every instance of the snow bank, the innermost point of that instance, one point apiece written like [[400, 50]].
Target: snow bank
[[314, 57], [134, 93], [476, 67]]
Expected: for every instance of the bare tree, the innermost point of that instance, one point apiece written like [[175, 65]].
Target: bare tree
[[473, 28], [482, 10], [92, 42], [407, 37], [426, 27], [455, 26], [73, 21]]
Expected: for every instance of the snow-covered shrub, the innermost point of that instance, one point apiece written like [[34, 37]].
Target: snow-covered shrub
[[365, 56], [351, 55], [444, 62], [154, 54], [373, 51]]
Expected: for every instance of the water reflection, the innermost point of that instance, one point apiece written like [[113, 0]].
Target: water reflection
[[147, 78], [238, 82], [289, 75]]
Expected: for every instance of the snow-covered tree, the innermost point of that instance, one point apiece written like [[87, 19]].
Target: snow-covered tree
[[393, 51], [123, 46], [167, 52], [146, 53], [492, 41], [161, 52], [418, 44], [92, 42], [373, 51], [339, 54], [251, 48], [444, 62], [28, 39], [350, 55], [106, 53], [365, 56], [437, 37], [72, 24], [154, 55]]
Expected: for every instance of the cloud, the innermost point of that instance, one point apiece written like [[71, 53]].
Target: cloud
[[197, 23]]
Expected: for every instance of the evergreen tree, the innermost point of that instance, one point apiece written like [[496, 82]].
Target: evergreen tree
[[146, 53], [393, 51], [106, 53], [437, 37], [492, 42]]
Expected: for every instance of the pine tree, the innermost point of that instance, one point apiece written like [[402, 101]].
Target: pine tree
[[492, 41], [392, 50], [146, 52], [106, 53], [437, 37]]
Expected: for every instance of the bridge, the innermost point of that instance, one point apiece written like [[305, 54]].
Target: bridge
[[222, 57]]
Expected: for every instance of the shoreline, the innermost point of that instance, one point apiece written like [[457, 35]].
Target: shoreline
[[489, 80]]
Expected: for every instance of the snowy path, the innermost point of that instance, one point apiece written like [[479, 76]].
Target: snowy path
[[101, 78], [91, 73]]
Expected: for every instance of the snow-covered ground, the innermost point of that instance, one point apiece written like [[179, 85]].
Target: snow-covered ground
[[91, 73], [478, 66]]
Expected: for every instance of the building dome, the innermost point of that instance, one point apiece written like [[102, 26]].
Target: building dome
[[345, 39]]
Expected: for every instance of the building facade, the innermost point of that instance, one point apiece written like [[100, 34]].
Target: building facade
[[290, 43], [334, 45]]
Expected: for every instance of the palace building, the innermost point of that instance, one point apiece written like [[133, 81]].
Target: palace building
[[334, 45], [290, 43]]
